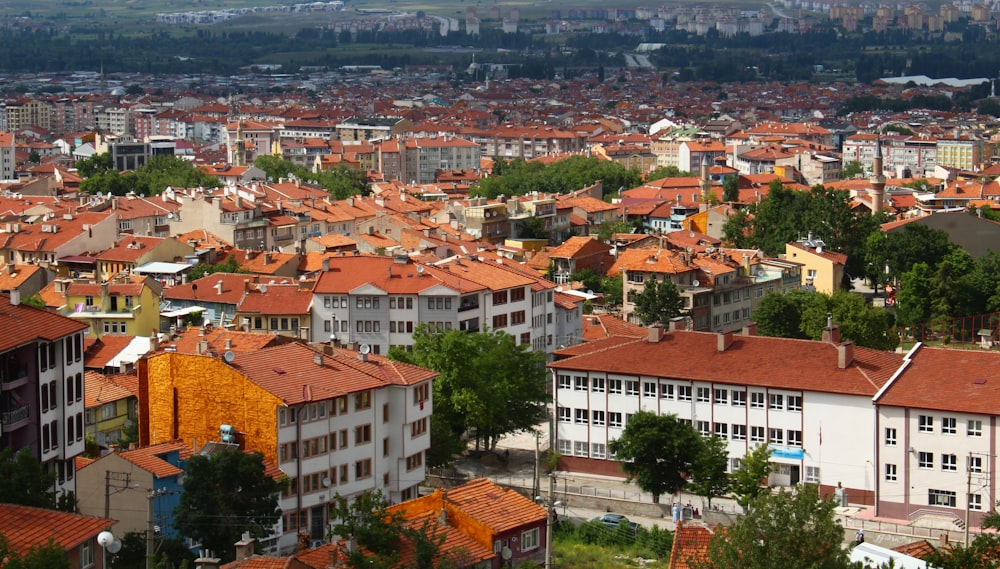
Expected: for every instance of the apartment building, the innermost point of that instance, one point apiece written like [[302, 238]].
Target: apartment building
[[333, 422], [42, 387]]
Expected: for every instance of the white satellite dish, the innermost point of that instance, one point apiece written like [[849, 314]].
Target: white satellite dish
[[420, 269], [115, 546], [761, 272], [229, 357], [326, 482], [696, 282], [365, 349]]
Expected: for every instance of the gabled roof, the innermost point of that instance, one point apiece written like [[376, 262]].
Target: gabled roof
[[500, 509], [660, 261], [26, 527], [690, 548], [579, 246], [100, 389], [20, 324], [290, 372], [150, 458], [963, 381]]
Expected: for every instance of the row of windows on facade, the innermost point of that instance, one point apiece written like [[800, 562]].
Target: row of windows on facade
[[339, 406], [949, 463], [949, 426], [664, 390], [406, 303], [292, 520], [736, 431], [129, 301], [331, 442], [950, 499], [72, 347], [50, 432], [48, 392], [339, 475]]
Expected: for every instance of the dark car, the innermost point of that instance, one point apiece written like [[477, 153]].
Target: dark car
[[615, 520]]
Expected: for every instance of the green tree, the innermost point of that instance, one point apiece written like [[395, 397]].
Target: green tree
[[667, 172], [779, 315], [608, 229], [860, 322], [48, 556], [657, 452], [488, 384], [612, 289], [731, 189], [533, 228], [659, 301], [24, 480], [169, 553], [747, 480], [96, 164], [790, 529], [36, 301], [913, 299], [34, 157], [851, 170], [200, 270], [709, 478], [590, 280], [226, 494], [916, 243]]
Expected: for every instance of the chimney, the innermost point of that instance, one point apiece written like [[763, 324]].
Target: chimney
[[229, 343], [15, 297], [202, 347], [318, 359], [154, 342], [267, 257], [845, 354], [656, 333], [831, 333], [725, 339], [218, 287], [244, 547], [750, 329], [206, 561], [326, 265], [677, 323]]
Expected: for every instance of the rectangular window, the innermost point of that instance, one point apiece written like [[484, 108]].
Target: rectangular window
[[757, 399], [777, 401], [500, 297], [739, 432], [794, 402], [597, 417], [565, 415], [581, 416], [648, 389], [721, 396], [890, 437], [925, 460], [597, 385], [87, 554], [974, 428], [941, 498], [581, 383], [684, 393], [722, 430], [362, 469], [890, 472], [615, 386], [529, 539], [632, 388], [812, 474], [756, 434], [975, 463], [362, 400], [703, 394], [949, 425], [598, 450], [794, 438], [614, 419], [565, 382], [976, 502], [418, 427], [925, 424], [776, 436], [702, 427], [949, 462], [580, 448], [666, 390], [739, 398], [362, 434]]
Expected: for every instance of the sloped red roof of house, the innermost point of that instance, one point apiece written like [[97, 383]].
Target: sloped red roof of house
[[26, 527], [690, 548], [21, 323]]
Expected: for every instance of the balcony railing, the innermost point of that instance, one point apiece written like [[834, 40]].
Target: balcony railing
[[12, 416]]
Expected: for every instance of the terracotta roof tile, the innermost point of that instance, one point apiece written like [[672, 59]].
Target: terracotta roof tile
[[99, 389], [22, 323], [690, 548], [150, 458], [948, 380], [25, 527]]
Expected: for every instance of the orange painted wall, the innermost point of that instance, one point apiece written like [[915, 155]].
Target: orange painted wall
[[209, 393]]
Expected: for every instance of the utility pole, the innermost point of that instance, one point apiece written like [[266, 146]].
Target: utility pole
[[550, 521], [968, 496], [149, 529]]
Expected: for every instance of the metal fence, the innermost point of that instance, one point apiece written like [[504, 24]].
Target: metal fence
[[966, 332]]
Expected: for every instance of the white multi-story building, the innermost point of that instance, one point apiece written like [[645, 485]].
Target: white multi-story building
[[42, 407], [380, 301], [332, 422], [811, 402]]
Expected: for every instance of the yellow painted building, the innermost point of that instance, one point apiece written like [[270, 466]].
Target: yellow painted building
[[822, 270], [189, 397], [128, 305]]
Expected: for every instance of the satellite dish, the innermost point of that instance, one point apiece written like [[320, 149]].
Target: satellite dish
[[506, 553], [115, 546], [326, 482], [761, 272], [229, 357], [365, 349], [420, 269], [170, 215], [105, 538], [696, 282]]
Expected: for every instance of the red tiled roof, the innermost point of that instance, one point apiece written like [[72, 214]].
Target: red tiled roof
[[98, 352], [749, 360], [149, 458], [690, 548], [100, 389], [22, 323], [500, 508], [26, 527], [962, 381]]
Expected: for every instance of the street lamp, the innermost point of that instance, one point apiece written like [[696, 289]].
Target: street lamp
[[108, 542]]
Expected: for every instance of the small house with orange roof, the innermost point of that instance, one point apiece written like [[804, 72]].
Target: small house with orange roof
[[26, 528], [134, 251], [26, 279], [128, 304], [577, 254], [218, 294], [269, 264], [111, 405], [283, 309], [822, 269]]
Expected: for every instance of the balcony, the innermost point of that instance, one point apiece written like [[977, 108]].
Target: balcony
[[13, 376], [15, 418], [474, 305]]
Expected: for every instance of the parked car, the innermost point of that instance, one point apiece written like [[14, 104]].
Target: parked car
[[613, 521]]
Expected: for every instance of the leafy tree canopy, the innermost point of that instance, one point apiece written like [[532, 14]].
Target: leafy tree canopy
[[489, 385], [48, 556], [657, 452], [521, 177], [342, 182], [228, 266], [793, 529], [667, 172], [226, 494], [851, 170], [659, 301], [24, 480], [731, 189], [804, 314], [708, 473], [151, 179], [748, 480]]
